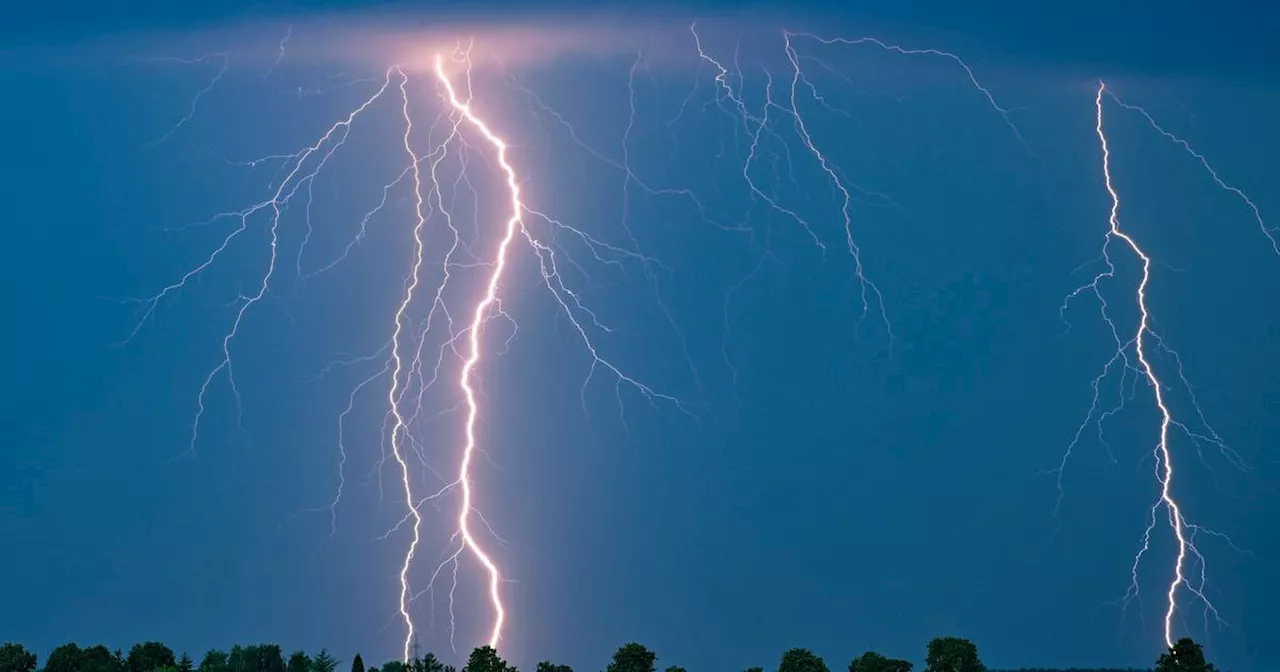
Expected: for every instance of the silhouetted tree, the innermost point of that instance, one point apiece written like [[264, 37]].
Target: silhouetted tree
[[801, 660], [485, 659], [184, 663], [875, 662], [395, 666], [633, 657], [428, 663], [100, 659], [1184, 656], [299, 661], [548, 666], [271, 658], [953, 654], [754, 669], [15, 657], [65, 658], [238, 659], [323, 662], [256, 658], [148, 656], [216, 661]]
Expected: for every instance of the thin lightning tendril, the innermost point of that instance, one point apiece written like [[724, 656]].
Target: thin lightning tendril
[[278, 201]]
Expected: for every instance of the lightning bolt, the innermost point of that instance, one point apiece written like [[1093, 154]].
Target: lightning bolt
[[1134, 354], [394, 393], [479, 314], [1164, 459]]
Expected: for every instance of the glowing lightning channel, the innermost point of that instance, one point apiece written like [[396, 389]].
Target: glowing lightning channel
[[473, 337], [1164, 459], [394, 393]]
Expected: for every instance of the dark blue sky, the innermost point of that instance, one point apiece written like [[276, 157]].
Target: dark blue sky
[[839, 490]]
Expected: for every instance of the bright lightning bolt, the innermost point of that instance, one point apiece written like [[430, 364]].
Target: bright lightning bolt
[[1142, 342], [473, 337], [394, 393], [1164, 459]]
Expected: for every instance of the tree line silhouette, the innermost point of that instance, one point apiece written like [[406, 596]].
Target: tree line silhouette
[[944, 654]]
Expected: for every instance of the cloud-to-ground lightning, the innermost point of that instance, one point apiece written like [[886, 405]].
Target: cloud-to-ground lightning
[[480, 313], [441, 344], [394, 393], [399, 436], [1164, 459], [1135, 355]]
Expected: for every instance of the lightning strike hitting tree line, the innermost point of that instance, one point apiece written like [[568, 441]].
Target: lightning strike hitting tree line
[[473, 342], [393, 398], [1143, 341], [412, 370], [1164, 461]]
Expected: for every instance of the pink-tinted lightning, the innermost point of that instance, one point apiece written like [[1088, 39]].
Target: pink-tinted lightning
[[402, 356], [473, 337], [1164, 459]]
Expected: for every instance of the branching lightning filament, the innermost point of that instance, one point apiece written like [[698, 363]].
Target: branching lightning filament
[[1134, 355], [1164, 460]]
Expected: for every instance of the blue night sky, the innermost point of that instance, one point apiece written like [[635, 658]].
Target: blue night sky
[[823, 482]]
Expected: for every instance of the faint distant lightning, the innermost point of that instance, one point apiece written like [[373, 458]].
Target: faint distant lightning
[[280, 52], [473, 338], [1268, 231], [755, 126], [968, 71], [195, 100], [276, 204], [846, 199]]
